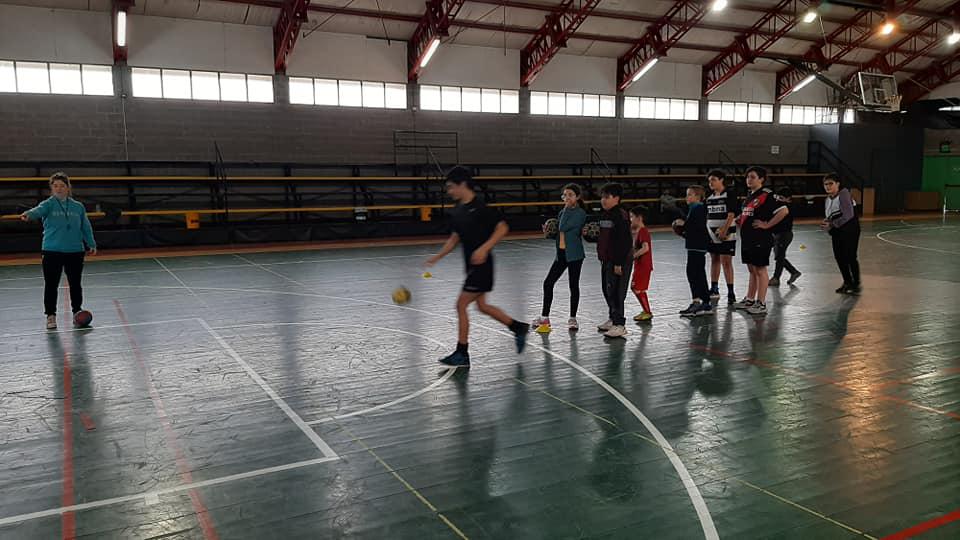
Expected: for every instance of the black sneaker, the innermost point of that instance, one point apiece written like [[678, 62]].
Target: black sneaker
[[520, 337], [691, 309], [853, 289], [774, 282], [793, 277], [704, 309], [457, 359], [731, 299], [842, 289]]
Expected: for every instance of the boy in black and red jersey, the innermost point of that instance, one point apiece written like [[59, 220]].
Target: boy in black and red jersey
[[761, 212]]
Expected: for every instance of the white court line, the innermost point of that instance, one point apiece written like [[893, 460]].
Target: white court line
[[180, 281], [699, 504], [155, 494], [99, 327], [408, 397], [293, 416], [693, 492], [368, 410], [911, 246]]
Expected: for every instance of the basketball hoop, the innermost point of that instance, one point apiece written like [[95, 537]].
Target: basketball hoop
[[893, 102]]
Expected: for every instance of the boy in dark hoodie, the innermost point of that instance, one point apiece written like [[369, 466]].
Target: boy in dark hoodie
[[615, 251], [697, 240]]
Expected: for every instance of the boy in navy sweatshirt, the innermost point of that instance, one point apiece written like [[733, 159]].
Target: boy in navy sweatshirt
[[615, 251], [697, 240]]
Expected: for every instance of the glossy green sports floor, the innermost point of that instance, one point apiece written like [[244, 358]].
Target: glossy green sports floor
[[283, 395]]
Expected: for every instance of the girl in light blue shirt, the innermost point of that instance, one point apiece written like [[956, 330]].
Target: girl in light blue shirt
[[67, 237]]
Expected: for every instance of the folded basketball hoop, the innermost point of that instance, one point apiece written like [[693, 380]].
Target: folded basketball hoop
[[879, 91]]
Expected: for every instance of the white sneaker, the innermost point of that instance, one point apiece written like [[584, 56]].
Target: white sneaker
[[605, 326], [540, 320], [51, 322], [572, 324], [758, 308], [746, 303], [616, 331]]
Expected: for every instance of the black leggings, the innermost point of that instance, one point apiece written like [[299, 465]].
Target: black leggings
[[54, 264], [846, 240], [556, 270]]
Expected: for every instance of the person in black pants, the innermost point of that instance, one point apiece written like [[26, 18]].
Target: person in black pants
[[615, 251], [67, 237], [782, 237], [697, 239], [844, 228]]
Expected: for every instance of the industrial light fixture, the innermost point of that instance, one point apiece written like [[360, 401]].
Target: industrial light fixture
[[810, 78], [718, 5], [953, 38], [121, 28], [646, 67], [888, 27], [810, 15], [432, 48]]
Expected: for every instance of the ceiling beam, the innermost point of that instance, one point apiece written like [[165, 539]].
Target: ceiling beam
[[826, 52], [552, 36], [659, 38], [745, 48], [933, 76], [619, 15], [293, 13], [917, 43], [434, 24]]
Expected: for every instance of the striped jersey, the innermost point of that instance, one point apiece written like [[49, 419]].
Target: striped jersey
[[717, 208]]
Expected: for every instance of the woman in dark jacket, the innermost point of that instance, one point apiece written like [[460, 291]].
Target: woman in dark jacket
[[844, 228]]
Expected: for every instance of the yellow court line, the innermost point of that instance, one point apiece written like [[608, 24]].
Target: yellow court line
[[743, 482], [406, 484]]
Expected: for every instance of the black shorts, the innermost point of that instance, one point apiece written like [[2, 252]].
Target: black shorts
[[479, 278], [728, 247], [756, 254]]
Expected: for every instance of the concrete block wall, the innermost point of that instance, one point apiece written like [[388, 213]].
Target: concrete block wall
[[48, 127]]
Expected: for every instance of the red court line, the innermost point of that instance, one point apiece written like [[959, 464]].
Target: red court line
[[203, 515], [68, 520], [827, 380], [921, 528]]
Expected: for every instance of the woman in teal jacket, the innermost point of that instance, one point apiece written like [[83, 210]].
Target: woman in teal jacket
[[569, 257], [67, 236]]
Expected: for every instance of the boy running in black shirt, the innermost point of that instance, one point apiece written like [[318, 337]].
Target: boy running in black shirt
[[479, 228]]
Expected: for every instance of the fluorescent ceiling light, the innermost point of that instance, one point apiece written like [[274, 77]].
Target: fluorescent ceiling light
[[121, 28], [643, 71], [808, 80], [432, 48]]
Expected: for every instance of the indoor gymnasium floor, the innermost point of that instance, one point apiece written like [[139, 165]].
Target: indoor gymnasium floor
[[283, 395]]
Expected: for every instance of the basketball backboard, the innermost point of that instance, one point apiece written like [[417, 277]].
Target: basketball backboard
[[879, 91]]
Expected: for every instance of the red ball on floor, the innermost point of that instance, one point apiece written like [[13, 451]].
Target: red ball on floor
[[82, 319]]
